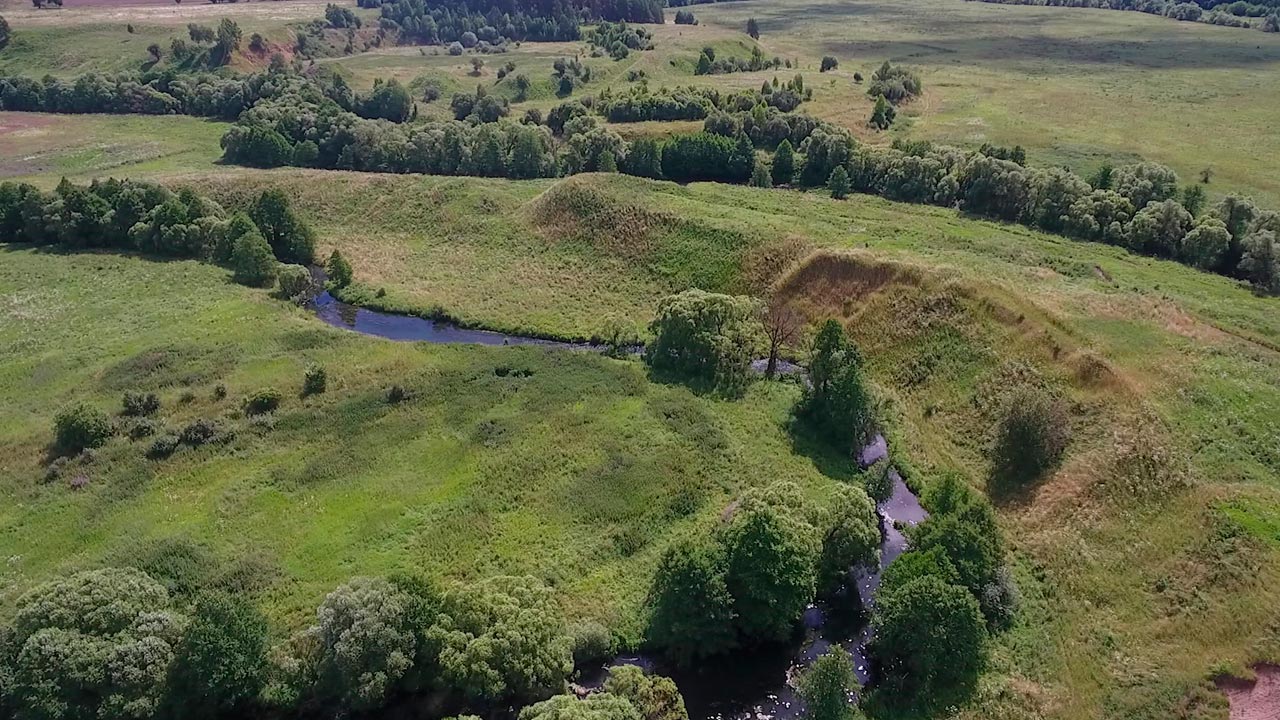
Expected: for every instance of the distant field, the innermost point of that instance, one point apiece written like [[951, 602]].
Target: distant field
[[41, 147]]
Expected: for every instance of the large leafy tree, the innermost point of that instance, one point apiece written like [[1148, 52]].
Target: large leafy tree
[[656, 697], [692, 610], [772, 552], [503, 638], [291, 239], [93, 645], [930, 643], [220, 665], [827, 686], [705, 336], [851, 535], [367, 642]]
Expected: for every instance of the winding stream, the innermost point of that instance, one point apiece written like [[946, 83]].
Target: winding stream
[[747, 685]]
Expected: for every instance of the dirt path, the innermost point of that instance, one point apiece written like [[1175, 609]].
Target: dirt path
[[1254, 700]]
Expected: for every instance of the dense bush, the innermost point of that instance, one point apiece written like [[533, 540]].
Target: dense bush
[[685, 17], [140, 404], [367, 642], [894, 83], [709, 64], [252, 260], [263, 401], [837, 403], [315, 380], [1030, 436], [79, 427], [850, 531]]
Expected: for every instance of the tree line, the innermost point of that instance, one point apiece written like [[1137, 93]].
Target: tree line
[[1262, 14], [144, 217], [119, 644]]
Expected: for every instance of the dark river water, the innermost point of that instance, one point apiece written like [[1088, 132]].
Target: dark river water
[[755, 684]]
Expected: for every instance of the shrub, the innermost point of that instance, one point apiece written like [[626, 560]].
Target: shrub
[[455, 48], [219, 392], [263, 401], [396, 394], [879, 480], [141, 428], [592, 643], [140, 404], [200, 431], [293, 281], [80, 426], [163, 446], [1030, 437], [685, 17], [828, 63], [315, 380]]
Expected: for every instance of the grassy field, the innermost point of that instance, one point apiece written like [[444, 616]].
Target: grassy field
[[1147, 565], [1133, 599]]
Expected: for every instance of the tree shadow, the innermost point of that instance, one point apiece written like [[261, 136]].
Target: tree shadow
[[827, 459]]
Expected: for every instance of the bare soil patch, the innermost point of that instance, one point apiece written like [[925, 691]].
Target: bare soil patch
[[1257, 699]]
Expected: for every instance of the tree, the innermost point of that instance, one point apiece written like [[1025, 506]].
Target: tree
[[760, 176], [838, 183], [200, 33], [930, 644], [1207, 244], [1030, 436], [704, 64], [784, 164], [252, 262], [80, 426], [772, 552], [828, 63], [656, 697], [827, 686], [782, 325], [366, 642], [970, 539], [388, 101], [753, 28], [1145, 182], [338, 270], [837, 403], [644, 159], [882, 115], [228, 40], [691, 613], [220, 665], [704, 336], [1053, 192], [293, 281], [96, 644], [5, 33], [1193, 198], [522, 86], [851, 536], [1159, 228], [290, 238], [1260, 261], [502, 639], [597, 706], [1272, 23]]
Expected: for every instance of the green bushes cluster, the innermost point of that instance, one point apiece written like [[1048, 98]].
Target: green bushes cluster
[[706, 337], [750, 581], [114, 644], [135, 215], [80, 427], [939, 602]]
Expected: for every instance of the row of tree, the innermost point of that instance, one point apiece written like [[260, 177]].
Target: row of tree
[[148, 218], [200, 94], [641, 104], [1214, 12], [434, 22], [114, 644]]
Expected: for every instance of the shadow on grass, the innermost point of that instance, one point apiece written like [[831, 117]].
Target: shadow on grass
[[827, 459]]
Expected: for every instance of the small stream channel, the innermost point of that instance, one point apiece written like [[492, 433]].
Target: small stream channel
[[750, 685]]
